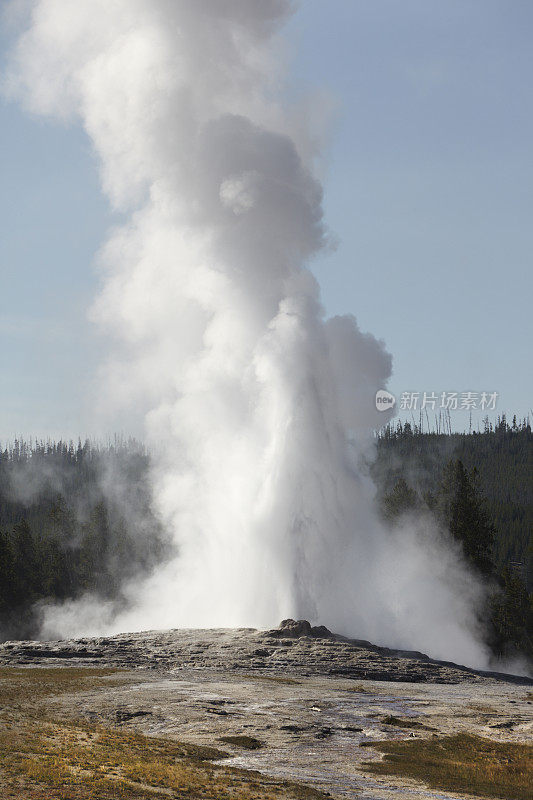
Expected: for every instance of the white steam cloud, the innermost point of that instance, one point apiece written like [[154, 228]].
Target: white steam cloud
[[259, 407]]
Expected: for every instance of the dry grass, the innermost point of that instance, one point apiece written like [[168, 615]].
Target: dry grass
[[20, 687], [461, 763], [42, 758], [405, 722], [483, 708], [247, 742]]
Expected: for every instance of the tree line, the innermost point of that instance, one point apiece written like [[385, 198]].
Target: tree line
[[77, 518], [479, 487], [73, 519]]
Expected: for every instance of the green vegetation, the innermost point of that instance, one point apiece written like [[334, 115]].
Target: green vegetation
[[461, 763], [72, 519], [77, 518], [502, 455], [478, 487], [460, 507], [42, 757]]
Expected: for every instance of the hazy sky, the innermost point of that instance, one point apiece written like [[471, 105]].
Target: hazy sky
[[428, 174]]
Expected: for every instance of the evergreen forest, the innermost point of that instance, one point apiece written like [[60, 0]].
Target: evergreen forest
[[77, 519]]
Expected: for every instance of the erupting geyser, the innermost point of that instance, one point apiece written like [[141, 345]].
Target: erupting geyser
[[259, 407]]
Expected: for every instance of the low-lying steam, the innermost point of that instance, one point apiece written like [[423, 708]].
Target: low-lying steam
[[257, 406]]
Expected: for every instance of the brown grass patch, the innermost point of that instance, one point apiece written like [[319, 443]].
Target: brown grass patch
[[247, 742], [405, 722], [461, 763], [42, 758], [20, 687], [483, 709]]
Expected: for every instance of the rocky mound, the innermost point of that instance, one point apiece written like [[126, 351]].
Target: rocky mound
[[295, 629], [295, 648]]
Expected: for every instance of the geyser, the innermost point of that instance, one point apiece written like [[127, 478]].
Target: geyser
[[258, 406]]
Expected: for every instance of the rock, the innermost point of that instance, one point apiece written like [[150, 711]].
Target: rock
[[314, 651], [295, 629], [125, 716]]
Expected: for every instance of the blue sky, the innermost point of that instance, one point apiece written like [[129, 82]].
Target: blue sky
[[428, 188]]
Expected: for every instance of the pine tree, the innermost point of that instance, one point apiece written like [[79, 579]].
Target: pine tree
[[461, 507], [401, 500], [511, 617]]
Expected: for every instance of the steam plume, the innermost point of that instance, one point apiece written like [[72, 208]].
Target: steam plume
[[258, 406]]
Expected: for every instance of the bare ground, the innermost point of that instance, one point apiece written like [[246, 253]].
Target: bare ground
[[305, 708]]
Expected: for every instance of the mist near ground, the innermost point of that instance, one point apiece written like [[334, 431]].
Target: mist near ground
[[258, 407]]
